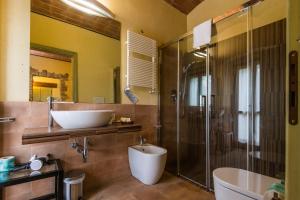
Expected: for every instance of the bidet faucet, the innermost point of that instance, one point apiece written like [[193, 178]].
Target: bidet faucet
[[82, 148], [85, 149], [142, 140], [50, 100]]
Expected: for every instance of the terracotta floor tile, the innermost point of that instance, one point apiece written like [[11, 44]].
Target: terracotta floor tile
[[169, 188]]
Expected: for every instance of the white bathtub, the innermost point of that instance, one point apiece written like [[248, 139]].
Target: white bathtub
[[147, 162]]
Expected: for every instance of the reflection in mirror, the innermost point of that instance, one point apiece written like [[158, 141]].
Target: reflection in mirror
[[45, 87], [73, 64], [52, 74]]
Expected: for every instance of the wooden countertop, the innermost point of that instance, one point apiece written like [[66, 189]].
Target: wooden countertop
[[40, 135]]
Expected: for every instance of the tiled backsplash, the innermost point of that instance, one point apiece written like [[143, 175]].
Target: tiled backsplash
[[107, 162]]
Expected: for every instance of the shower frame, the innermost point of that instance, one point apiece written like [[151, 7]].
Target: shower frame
[[244, 7], [217, 19]]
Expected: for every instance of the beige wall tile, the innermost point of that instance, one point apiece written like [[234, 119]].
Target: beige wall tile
[[108, 158]]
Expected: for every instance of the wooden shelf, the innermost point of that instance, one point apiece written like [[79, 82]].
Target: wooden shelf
[[40, 135]]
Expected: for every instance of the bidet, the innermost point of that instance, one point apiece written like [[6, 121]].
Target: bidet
[[147, 162]]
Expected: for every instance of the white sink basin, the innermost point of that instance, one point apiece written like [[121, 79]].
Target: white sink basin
[[74, 119]]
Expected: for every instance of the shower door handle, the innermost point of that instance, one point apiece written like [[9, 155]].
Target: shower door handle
[[212, 106], [203, 103], [7, 119], [173, 96], [204, 100]]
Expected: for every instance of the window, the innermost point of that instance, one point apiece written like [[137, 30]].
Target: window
[[243, 106], [257, 106], [243, 111], [193, 91], [197, 89]]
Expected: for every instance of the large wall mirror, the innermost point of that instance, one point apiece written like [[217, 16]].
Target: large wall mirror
[[73, 61]]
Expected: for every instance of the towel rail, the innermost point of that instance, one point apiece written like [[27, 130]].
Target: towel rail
[[7, 119]]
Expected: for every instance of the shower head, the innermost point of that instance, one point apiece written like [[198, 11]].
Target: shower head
[[186, 68], [197, 53], [131, 96], [222, 113], [200, 54]]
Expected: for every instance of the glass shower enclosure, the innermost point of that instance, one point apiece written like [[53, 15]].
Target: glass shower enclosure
[[222, 105]]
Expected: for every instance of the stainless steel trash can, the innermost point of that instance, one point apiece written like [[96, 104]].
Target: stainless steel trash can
[[73, 184]]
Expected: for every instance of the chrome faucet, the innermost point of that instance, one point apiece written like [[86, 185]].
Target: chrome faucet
[[50, 107], [142, 140]]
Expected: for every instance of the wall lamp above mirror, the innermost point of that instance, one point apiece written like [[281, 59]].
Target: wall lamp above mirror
[[74, 56], [92, 7], [87, 14]]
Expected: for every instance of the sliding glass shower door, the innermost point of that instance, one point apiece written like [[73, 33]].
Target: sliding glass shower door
[[204, 101], [267, 137], [214, 101], [192, 112], [168, 104], [230, 99]]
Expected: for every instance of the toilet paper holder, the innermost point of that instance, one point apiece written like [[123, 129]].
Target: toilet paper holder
[[7, 119]]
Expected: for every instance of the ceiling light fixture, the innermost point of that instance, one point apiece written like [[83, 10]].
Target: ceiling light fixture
[[90, 7], [200, 54]]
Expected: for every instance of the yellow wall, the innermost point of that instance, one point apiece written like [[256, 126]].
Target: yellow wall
[[157, 19], [208, 9], [54, 66], [14, 45], [51, 65], [97, 54], [264, 13], [293, 132]]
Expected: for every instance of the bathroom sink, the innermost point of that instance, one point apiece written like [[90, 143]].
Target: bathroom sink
[[76, 119]]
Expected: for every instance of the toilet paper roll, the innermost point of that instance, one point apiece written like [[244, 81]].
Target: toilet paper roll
[[7, 163], [36, 165], [4, 176]]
